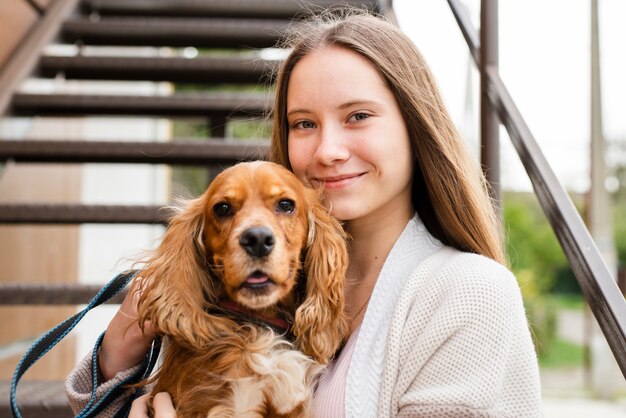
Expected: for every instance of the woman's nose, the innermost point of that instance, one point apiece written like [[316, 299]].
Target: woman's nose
[[332, 147]]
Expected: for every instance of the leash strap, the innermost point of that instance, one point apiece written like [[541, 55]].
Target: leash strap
[[56, 334]]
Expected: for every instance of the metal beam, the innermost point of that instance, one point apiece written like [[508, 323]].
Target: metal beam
[[163, 31], [599, 289], [206, 70], [51, 294], [54, 214], [36, 7], [286, 9], [241, 104], [24, 59], [595, 279], [489, 122], [177, 152]]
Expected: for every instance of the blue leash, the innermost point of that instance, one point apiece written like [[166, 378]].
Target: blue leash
[[56, 334]]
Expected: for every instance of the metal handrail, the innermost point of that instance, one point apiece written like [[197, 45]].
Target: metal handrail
[[598, 286], [36, 7], [24, 59]]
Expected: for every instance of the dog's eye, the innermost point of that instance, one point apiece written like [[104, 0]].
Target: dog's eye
[[286, 206], [222, 210]]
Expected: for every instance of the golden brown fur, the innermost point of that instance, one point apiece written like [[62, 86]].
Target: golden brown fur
[[212, 365]]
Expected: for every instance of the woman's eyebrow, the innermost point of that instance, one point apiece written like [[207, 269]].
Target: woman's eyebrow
[[298, 110], [346, 105], [357, 102]]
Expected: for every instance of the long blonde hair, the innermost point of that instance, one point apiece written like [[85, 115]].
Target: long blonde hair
[[449, 193]]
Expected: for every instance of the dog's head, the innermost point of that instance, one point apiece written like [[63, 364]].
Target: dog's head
[[256, 229], [250, 237]]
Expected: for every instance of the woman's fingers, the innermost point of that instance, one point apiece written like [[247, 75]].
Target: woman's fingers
[[125, 344], [139, 408], [163, 406]]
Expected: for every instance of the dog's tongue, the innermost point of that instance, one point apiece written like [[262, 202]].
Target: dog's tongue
[[256, 279]]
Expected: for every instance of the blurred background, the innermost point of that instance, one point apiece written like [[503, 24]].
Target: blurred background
[[545, 60]]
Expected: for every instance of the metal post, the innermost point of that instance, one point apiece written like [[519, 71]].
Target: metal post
[[489, 121], [604, 372]]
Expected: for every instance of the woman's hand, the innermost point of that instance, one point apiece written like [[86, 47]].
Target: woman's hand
[[124, 344], [162, 404]]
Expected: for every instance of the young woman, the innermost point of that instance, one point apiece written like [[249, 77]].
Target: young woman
[[437, 322]]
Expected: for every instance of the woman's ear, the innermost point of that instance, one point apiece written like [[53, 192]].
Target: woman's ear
[[174, 285], [320, 324]]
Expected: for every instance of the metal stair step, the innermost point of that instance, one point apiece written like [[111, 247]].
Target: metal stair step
[[224, 8], [36, 398], [19, 293], [179, 152], [161, 31], [70, 214], [210, 70], [218, 105]]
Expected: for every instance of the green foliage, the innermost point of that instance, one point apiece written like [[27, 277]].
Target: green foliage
[[259, 128], [562, 354], [536, 258], [533, 251], [568, 301], [542, 319]]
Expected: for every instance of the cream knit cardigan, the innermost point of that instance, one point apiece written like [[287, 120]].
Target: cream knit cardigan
[[444, 335], [448, 338]]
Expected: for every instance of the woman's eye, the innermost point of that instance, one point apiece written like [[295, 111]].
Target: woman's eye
[[359, 116], [222, 210], [286, 206], [304, 124]]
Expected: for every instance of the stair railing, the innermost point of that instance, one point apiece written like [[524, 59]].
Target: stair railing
[[599, 288], [23, 60]]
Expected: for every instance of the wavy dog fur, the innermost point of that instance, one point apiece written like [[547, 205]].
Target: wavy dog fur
[[213, 365]]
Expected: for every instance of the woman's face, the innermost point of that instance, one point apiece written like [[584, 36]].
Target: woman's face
[[347, 135]]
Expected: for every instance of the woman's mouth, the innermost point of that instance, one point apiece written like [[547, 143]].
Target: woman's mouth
[[337, 182]]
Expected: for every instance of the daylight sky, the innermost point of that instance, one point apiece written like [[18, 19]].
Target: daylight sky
[[544, 61]]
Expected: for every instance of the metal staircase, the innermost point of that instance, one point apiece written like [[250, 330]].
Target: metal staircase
[[230, 36]]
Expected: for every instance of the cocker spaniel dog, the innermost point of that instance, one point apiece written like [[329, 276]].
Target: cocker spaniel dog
[[247, 289]]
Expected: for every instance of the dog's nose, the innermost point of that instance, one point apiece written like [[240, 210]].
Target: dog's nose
[[257, 241]]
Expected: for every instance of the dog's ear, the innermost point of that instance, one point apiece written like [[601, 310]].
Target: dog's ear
[[174, 284], [320, 324]]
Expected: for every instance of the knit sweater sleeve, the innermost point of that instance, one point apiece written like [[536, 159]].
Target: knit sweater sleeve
[[79, 388], [464, 348]]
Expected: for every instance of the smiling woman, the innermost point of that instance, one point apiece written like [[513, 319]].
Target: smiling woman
[[347, 135], [435, 321], [434, 325]]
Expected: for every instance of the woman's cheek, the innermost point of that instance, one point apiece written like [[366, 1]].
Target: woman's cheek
[[297, 160]]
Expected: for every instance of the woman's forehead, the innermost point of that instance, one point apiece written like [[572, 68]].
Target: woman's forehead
[[336, 75]]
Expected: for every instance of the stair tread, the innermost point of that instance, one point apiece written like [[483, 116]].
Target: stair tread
[[202, 152], [259, 8], [190, 104], [46, 293], [206, 69], [171, 31], [36, 398], [69, 213]]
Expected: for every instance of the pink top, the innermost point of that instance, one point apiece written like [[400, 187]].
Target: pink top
[[331, 390]]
